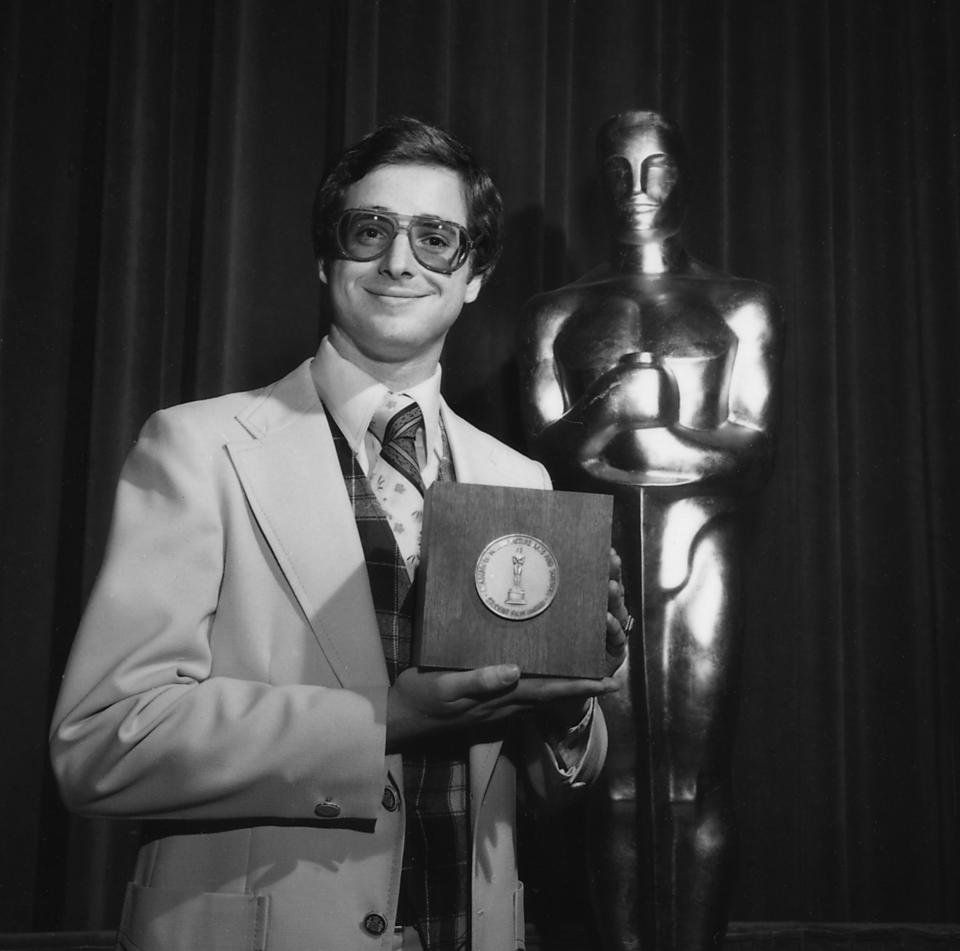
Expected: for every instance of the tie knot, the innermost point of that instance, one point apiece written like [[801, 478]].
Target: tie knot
[[396, 424], [397, 420]]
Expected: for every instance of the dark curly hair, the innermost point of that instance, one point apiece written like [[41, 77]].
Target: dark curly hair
[[407, 141]]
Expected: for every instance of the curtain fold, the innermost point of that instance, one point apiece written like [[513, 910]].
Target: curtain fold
[[158, 164]]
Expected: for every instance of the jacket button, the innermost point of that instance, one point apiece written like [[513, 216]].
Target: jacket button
[[326, 810], [375, 924], [390, 802]]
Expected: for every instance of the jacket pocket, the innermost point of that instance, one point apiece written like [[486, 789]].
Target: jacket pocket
[[172, 919]]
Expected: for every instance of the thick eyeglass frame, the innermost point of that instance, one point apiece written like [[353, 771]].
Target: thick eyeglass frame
[[405, 223]]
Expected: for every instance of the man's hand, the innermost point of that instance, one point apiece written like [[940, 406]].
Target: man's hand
[[565, 714], [422, 703], [619, 621]]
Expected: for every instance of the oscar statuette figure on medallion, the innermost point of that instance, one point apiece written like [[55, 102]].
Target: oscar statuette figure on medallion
[[654, 378]]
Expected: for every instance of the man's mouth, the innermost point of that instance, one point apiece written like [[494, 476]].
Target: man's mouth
[[395, 293]]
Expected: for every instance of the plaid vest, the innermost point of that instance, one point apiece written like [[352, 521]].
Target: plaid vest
[[435, 881]]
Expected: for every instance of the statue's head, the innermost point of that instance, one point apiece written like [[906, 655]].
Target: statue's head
[[643, 161]]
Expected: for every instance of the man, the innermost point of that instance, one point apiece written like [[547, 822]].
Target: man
[[242, 670], [654, 376]]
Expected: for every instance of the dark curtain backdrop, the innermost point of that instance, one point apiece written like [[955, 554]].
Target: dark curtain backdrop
[[157, 163]]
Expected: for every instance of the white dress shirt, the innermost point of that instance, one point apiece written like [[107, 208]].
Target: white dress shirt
[[352, 396]]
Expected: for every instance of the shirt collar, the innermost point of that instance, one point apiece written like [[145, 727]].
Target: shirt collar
[[351, 396]]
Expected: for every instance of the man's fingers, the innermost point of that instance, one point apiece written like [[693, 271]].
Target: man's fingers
[[486, 681], [616, 636], [616, 603], [616, 643], [497, 688], [547, 689]]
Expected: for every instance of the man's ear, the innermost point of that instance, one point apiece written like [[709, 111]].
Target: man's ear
[[322, 271], [473, 288]]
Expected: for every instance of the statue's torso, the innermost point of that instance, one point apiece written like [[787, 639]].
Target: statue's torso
[[681, 321]]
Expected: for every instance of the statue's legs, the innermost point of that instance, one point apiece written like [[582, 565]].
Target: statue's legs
[[662, 836], [614, 850], [619, 817], [702, 858]]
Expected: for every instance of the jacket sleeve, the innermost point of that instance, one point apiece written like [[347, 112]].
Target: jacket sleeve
[[560, 772], [143, 726]]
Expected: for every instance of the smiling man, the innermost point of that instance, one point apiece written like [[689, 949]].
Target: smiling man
[[393, 311], [241, 676]]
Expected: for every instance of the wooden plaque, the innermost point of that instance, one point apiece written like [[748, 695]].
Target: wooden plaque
[[513, 576]]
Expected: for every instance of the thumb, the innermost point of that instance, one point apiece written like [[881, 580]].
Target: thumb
[[495, 678]]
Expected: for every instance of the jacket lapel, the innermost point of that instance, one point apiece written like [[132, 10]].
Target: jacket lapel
[[292, 481], [472, 461]]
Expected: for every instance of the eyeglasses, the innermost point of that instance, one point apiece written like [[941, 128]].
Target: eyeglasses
[[441, 246]]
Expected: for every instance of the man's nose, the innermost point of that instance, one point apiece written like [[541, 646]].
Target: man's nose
[[398, 259]]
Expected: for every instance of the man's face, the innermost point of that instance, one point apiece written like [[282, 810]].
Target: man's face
[[642, 179], [392, 311]]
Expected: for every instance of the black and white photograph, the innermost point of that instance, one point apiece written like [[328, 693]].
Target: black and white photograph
[[475, 475]]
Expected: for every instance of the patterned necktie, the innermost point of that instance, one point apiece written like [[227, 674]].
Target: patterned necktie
[[395, 476]]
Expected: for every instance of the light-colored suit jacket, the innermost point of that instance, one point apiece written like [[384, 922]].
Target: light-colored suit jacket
[[228, 678]]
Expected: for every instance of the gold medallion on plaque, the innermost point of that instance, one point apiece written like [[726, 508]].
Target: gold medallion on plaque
[[516, 577]]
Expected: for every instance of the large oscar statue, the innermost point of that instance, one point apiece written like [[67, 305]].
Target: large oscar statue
[[653, 377]]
